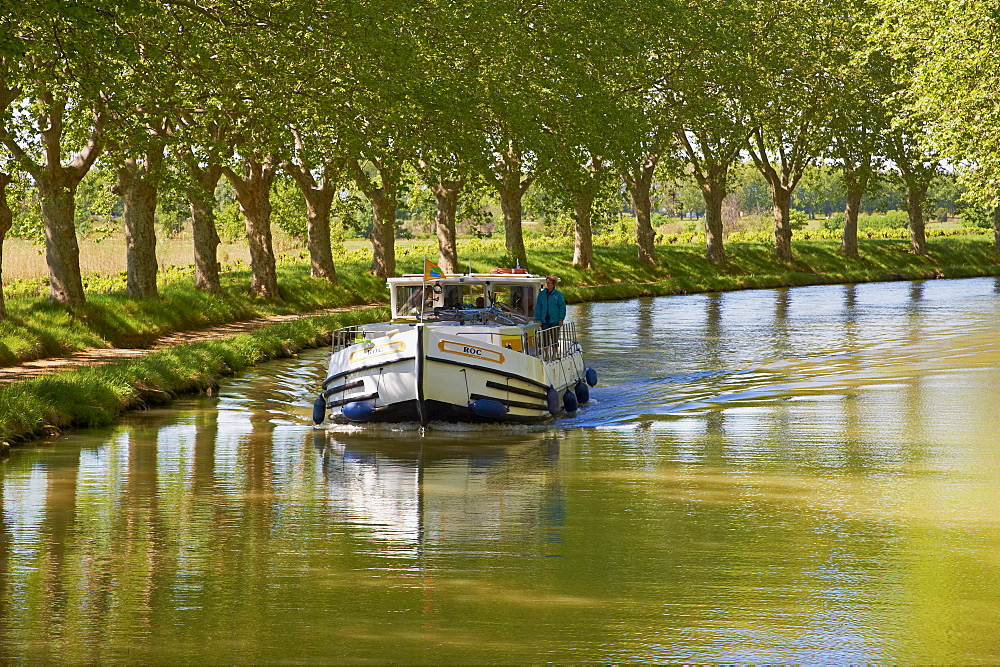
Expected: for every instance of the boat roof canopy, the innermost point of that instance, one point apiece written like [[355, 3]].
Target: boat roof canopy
[[469, 278]]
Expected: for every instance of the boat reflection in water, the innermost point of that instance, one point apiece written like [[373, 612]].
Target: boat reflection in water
[[444, 490]]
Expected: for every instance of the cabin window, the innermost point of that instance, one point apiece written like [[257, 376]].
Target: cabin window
[[464, 296], [476, 297], [520, 298], [408, 300], [452, 297]]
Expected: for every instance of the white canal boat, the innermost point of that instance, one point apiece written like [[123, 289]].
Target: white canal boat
[[461, 348]]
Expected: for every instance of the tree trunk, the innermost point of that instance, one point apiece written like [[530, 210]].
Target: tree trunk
[[384, 201], [583, 236], [62, 251], [510, 204], [318, 205], [319, 201], [782, 200], [915, 193], [446, 195], [714, 194], [253, 192], [383, 233], [6, 222], [137, 186], [639, 181], [849, 237], [201, 198], [996, 229]]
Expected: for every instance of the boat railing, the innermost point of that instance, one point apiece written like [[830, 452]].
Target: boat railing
[[347, 336], [549, 344], [558, 342]]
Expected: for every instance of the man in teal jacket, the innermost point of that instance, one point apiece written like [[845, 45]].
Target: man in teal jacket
[[550, 306], [550, 311]]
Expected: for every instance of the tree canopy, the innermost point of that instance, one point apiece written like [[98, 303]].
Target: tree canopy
[[583, 96]]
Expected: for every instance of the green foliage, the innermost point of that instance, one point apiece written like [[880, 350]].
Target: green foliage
[[797, 219], [98, 209], [874, 221], [26, 209], [172, 213], [834, 222], [889, 220], [977, 216], [288, 208], [229, 221], [353, 212]]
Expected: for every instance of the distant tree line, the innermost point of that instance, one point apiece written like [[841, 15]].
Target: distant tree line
[[589, 101]]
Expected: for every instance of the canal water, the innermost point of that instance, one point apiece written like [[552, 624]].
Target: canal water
[[804, 475]]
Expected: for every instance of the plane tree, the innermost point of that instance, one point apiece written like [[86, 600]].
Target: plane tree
[[788, 110], [917, 166], [318, 174], [859, 127], [200, 160], [450, 54], [139, 122], [510, 66], [639, 127], [382, 117], [708, 96], [58, 72], [948, 51], [585, 71], [260, 84]]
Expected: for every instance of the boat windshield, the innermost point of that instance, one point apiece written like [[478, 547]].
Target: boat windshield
[[464, 299]]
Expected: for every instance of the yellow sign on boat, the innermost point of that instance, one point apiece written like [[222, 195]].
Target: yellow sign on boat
[[378, 350], [511, 342], [471, 351]]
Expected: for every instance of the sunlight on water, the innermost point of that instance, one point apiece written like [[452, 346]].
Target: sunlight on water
[[807, 475]]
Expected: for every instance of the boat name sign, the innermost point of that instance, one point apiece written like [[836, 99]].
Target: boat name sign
[[378, 350], [471, 351]]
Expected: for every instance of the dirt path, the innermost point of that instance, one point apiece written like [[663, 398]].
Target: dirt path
[[97, 356]]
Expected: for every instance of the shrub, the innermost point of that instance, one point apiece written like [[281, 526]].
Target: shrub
[[834, 222], [888, 220], [974, 216], [797, 219]]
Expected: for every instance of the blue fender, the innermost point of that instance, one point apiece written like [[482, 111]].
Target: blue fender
[[582, 392], [591, 376], [569, 401], [552, 398], [488, 409], [358, 411], [319, 410]]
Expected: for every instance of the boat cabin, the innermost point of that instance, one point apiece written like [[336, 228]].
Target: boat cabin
[[413, 299]]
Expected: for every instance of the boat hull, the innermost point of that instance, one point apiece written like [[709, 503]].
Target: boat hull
[[425, 373]]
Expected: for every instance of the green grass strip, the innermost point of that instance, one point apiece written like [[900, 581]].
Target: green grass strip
[[97, 396]]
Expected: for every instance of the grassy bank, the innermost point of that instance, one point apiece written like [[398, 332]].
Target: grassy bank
[[37, 328], [96, 396]]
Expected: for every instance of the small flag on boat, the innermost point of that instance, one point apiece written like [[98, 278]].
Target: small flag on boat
[[432, 271]]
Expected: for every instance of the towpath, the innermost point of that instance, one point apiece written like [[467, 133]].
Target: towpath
[[97, 356]]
